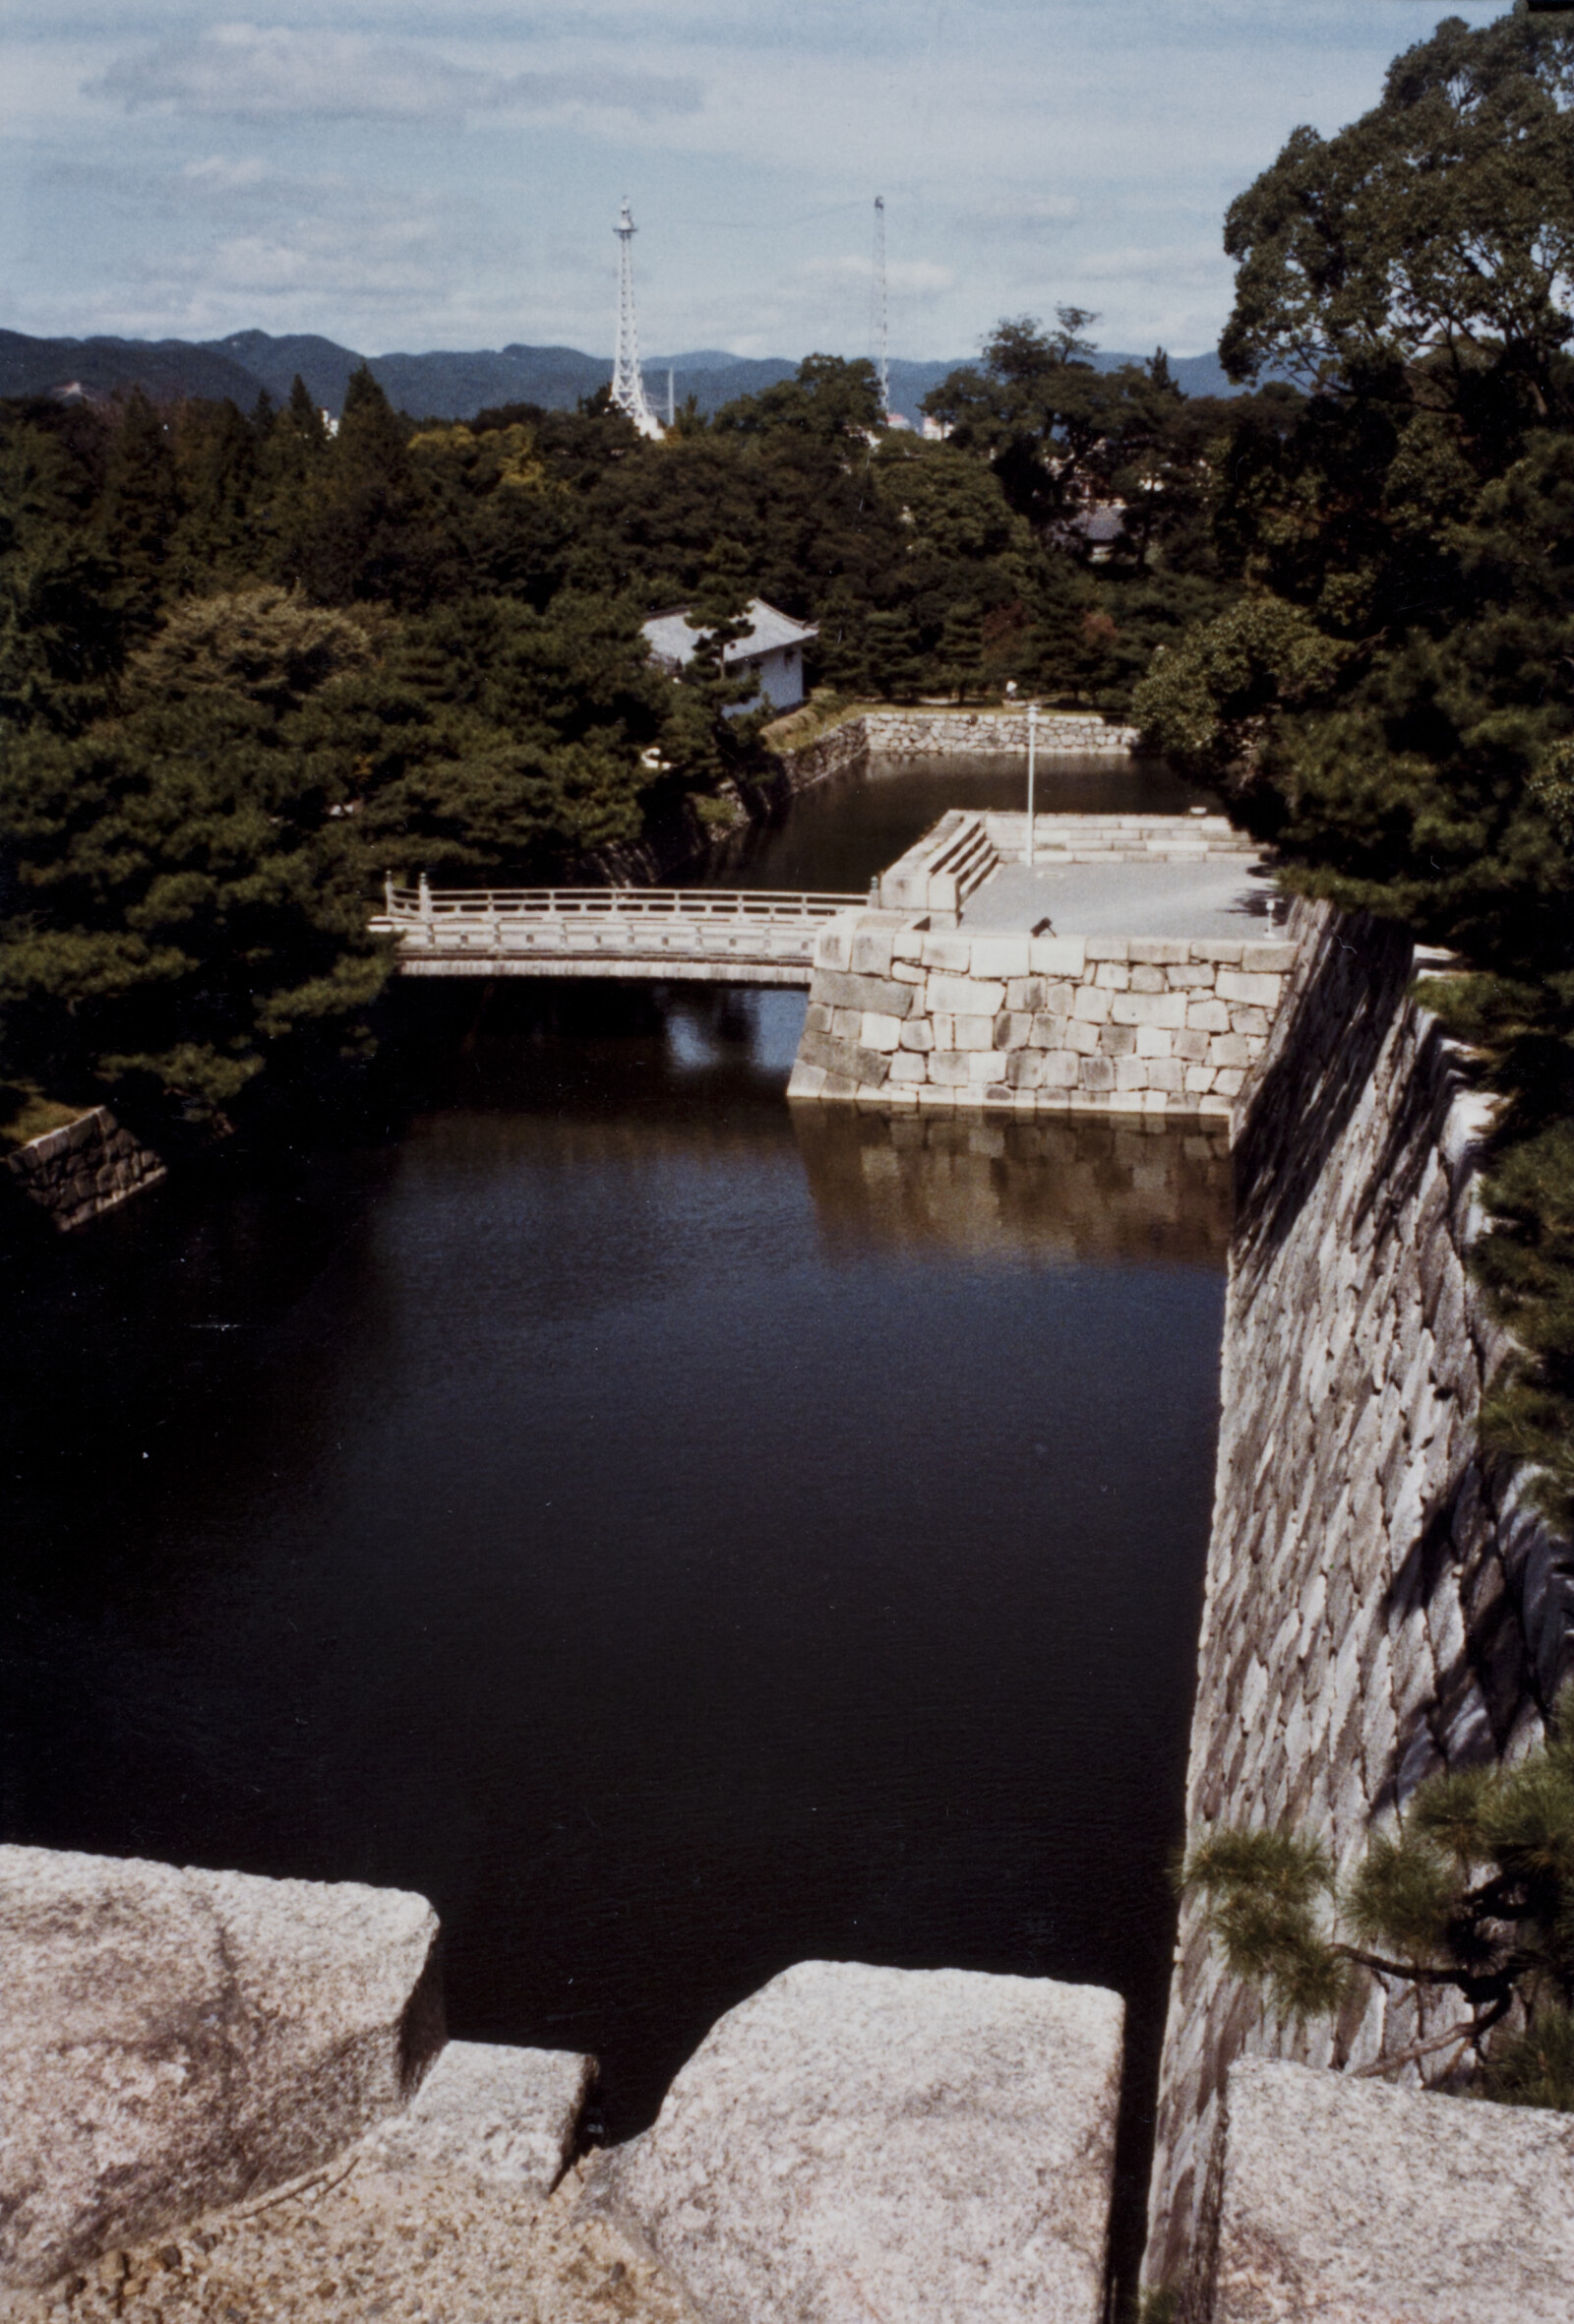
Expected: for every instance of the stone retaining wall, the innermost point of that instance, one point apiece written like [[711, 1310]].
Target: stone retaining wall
[[901, 1014], [914, 734], [840, 750], [91, 1166], [1380, 1602]]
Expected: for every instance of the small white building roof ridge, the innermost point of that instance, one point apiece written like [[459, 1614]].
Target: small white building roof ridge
[[673, 642]]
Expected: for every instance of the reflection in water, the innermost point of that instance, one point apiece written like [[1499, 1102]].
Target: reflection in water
[[986, 1188]]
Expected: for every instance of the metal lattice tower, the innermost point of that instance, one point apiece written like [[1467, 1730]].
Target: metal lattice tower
[[878, 318], [628, 386]]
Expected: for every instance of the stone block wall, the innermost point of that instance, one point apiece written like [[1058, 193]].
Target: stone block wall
[[914, 734], [1380, 1602], [901, 1014], [91, 1166], [840, 750]]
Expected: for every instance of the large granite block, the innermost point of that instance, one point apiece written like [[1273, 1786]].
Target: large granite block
[[492, 2116], [1351, 2202], [921, 2147], [840, 988], [966, 996], [847, 1058], [177, 2041]]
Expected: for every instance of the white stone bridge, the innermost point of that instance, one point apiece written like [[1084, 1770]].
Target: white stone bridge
[[750, 936]]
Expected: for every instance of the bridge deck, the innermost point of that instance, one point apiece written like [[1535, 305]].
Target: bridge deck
[[713, 934]]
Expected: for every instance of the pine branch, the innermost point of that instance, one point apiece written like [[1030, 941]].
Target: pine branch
[[1463, 2034]]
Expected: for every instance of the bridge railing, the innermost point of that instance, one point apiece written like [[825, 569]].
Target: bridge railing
[[423, 907]]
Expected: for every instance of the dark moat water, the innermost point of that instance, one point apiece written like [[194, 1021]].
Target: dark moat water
[[678, 1533], [841, 834]]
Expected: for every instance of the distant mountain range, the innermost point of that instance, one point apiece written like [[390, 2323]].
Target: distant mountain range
[[440, 386]]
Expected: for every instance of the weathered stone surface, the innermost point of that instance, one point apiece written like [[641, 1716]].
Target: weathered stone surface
[[1149, 1009], [1057, 955], [973, 1033], [180, 2040], [501, 2118], [1000, 955], [1348, 2202], [841, 989], [354, 2242], [1261, 992], [857, 2143], [966, 996], [858, 1067]]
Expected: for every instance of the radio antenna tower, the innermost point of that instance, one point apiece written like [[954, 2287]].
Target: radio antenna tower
[[877, 319], [628, 386]]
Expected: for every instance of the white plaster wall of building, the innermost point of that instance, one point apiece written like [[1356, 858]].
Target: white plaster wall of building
[[770, 649]]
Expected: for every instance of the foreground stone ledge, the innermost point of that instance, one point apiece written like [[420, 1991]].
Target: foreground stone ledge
[[436, 2241], [1351, 2202], [856, 2143], [177, 2041], [489, 2117]]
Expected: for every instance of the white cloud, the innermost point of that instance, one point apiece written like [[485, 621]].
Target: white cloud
[[256, 73]]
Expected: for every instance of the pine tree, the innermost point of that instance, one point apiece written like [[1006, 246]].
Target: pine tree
[[961, 648], [1475, 1896], [140, 506], [1392, 701]]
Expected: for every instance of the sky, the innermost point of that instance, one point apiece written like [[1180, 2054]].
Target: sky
[[413, 174]]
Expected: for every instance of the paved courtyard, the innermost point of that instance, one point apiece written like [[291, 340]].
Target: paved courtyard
[[1217, 897]]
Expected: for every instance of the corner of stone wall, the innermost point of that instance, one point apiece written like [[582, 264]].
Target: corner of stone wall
[[80, 1171], [1381, 1601], [902, 1013]]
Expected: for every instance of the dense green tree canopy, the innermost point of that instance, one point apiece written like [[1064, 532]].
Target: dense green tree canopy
[[249, 664], [1394, 699], [183, 899]]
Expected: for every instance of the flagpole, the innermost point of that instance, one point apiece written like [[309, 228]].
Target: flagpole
[[1032, 767]]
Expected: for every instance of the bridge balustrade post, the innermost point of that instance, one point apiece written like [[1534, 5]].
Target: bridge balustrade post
[[388, 894], [423, 897]]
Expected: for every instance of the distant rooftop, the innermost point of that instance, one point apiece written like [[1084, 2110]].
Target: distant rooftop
[[673, 642]]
